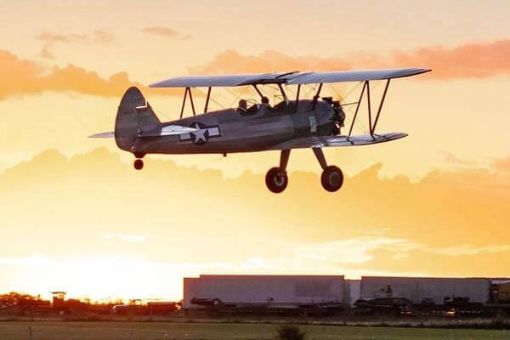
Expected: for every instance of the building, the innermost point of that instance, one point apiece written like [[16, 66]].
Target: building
[[352, 291], [276, 290], [419, 289]]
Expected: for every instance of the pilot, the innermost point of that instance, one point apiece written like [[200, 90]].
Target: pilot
[[243, 106], [264, 102]]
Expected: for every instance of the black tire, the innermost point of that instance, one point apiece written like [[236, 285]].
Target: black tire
[[276, 180], [138, 164], [332, 178]]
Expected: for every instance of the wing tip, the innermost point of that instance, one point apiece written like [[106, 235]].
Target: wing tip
[[157, 84]]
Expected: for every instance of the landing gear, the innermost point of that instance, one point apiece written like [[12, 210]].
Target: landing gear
[[138, 164], [332, 178], [276, 178]]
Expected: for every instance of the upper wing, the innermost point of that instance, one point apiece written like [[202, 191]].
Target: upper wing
[[291, 78], [223, 80], [346, 76], [337, 141]]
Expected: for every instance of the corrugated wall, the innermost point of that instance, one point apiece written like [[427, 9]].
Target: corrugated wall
[[258, 289], [417, 289]]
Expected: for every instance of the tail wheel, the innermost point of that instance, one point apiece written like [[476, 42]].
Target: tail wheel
[[332, 178], [276, 180], [138, 164]]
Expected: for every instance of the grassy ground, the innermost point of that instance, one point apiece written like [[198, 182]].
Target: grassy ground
[[165, 330]]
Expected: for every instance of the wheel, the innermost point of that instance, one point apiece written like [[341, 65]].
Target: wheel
[[276, 180], [332, 178], [138, 164]]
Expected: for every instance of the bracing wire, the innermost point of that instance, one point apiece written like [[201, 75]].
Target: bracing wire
[[236, 97], [220, 105]]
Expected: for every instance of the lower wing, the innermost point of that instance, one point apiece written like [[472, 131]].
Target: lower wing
[[337, 141]]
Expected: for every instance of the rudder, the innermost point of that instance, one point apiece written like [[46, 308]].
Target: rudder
[[134, 116]]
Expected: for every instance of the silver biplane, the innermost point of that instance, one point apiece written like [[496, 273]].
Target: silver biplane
[[292, 123]]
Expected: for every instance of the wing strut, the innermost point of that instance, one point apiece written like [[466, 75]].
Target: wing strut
[[380, 106], [372, 126], [297, 97], [369, 108], [207, 99], [191, 101], [316, 97], [283, 93], [357, 107], [184, 102], [258, 91], [186, 92]]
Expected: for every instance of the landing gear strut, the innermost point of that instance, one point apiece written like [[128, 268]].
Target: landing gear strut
[[332, 177], [276, 178]]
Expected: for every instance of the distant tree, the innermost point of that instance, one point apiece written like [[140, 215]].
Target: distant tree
[[290, 332]]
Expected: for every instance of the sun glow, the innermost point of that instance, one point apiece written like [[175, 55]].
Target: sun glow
[[98, 278]]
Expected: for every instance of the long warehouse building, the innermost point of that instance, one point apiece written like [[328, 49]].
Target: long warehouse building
[[305, 290], [420, 289], [263, 290]]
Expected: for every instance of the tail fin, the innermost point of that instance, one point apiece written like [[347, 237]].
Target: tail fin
[[133, 118]]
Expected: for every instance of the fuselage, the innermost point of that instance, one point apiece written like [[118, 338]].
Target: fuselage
[[231, 130]]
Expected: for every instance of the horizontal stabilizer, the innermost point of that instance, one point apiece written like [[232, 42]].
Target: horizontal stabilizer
[[338, 141], [103, 135], [169, 130]]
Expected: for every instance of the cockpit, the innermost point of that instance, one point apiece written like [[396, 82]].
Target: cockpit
[[244, 110]]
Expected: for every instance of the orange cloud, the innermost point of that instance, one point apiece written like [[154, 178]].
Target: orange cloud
[[51, 39], [165, 32], [231, 61], [472, 60], [20, 77], [25, 77]]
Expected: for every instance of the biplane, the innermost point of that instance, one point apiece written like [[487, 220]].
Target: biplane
[[292, 123]]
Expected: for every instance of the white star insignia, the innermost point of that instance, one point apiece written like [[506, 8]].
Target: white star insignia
[[199, 134]]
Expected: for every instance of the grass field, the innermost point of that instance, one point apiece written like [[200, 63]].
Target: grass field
[[170, 330]]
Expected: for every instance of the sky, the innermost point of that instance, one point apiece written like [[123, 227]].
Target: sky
[[76, 217]]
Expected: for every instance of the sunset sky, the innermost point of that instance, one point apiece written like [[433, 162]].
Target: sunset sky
[[75, 216]]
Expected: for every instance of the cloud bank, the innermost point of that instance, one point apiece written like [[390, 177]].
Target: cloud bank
[[471, 60], [174, 213]]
